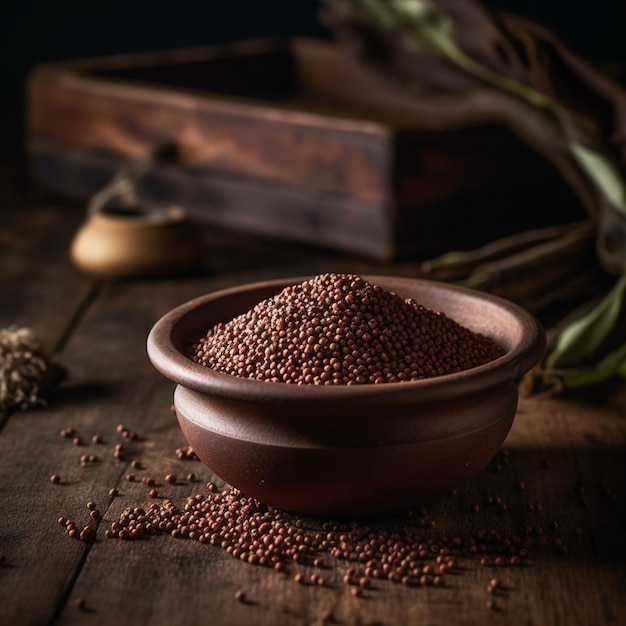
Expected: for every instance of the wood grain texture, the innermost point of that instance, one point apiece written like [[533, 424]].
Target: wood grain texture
[[246, 137], [244, 205], [295, 138], [440, 222], [568, 451], [38, 286]]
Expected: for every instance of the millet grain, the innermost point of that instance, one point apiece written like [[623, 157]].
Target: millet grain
[[340, 329], [259, 535]]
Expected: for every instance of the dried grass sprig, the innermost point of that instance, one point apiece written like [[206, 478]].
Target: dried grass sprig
[[23, 368]]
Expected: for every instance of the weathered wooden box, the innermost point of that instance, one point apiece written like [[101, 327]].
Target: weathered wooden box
[[293, 140]]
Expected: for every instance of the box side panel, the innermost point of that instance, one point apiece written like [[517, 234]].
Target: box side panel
[[301, 150], [225, 200]]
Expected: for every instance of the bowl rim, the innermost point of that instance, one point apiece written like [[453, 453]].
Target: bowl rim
[[510, 367]]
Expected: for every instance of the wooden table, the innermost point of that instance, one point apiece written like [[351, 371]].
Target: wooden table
[[560, 474]]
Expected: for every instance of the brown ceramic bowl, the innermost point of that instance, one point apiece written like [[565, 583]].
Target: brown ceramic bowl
[[348, 450]]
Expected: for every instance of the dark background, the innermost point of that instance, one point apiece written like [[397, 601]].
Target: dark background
[[37, 31]]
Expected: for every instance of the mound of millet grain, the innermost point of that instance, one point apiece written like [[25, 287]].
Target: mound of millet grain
[[341, 329]]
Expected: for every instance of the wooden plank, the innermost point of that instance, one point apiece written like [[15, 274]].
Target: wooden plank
[[243, 137], [546, 446], [557, 445], [304, 113], [335, 222], [39, 288], [246, 205], [107, 384], [187, 579]]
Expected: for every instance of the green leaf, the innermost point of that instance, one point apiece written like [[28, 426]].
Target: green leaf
[[585, 335], [611, 366], [603, 173]]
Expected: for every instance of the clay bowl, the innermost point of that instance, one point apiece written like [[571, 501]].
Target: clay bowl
[[348, 450]]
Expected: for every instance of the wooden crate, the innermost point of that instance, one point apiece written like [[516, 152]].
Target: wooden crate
[[289, 139]]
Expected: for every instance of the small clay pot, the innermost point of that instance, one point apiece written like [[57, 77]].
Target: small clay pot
[[348, 450], [134, 243]]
